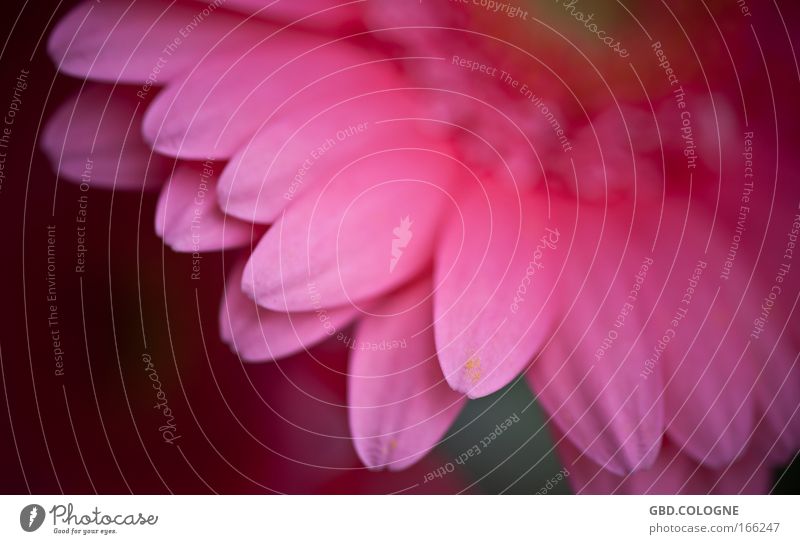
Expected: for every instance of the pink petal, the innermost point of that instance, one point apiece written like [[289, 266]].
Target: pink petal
[[775, 350], [337, 245], [188, 218], [708, 376], [214, 111], [304, 147], [673, 473], [616, 154], [778, 388], [487, 329], [590, 376], [399, 403], [313, 13], [95, 137], [146, 40], [257, 334]]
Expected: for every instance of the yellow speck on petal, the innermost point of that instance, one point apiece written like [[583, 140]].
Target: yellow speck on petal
[[472, 369], [389, 446]]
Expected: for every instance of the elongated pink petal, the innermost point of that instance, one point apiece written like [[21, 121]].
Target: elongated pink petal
[[709, 397], [775, 343], [777, 391], [188, 218], [146, 41], [591, 376], [709, 387], [302, 148], [258, 335], [672, 473], [94, 137], [369, 229], [494, 271], [400, 405], [215, 111]]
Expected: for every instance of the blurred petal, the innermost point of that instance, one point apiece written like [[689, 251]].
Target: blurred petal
[[370, 229], [214, 112], [673, 473], [589, 377], [778, 389], [708, 379], [257, 334], [313, 13], [400, 404], [188, 218], [494, 272], [145, 40], [95, 135], [300, 148]]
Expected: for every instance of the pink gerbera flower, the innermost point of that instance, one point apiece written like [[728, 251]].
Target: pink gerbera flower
[[470, 205]]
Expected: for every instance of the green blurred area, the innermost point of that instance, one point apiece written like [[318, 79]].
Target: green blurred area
[[520, 460]]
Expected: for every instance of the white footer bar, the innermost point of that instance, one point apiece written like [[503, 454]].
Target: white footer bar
[[401, 519]]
